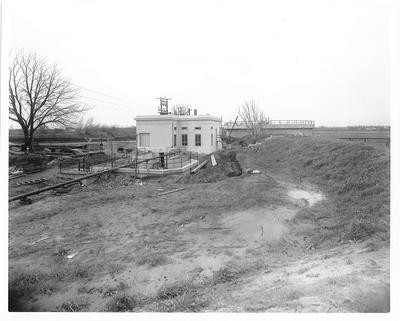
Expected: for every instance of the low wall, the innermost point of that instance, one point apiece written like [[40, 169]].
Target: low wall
[[150, 171]]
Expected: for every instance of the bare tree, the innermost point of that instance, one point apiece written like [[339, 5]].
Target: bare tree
[[40, 96], [180, 109], [252, 116]]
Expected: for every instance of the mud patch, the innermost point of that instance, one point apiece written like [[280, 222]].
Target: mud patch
[[256, 224]]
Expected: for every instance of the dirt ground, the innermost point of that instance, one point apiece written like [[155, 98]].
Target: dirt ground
[[231, 245]]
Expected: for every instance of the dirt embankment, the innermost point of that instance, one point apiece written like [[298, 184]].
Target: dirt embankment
[[227, 166], [310, 233]]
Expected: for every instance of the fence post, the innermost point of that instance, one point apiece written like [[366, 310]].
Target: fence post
[[181, 162]]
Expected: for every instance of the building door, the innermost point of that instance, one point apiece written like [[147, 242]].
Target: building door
[[144, 139]]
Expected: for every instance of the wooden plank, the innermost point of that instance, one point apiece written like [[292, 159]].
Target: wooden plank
[[172, 191], [213, 161], [198, 167]]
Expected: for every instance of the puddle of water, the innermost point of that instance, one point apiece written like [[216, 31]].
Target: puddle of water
[[256, 224], [311, 197]]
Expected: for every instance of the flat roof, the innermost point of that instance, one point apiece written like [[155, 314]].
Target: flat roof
[[178, 117]]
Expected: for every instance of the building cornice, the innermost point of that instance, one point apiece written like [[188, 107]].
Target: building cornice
[[178, 118]]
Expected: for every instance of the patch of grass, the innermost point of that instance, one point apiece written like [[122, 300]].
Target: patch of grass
[[110, 291], [152, 259], [72, 271], [183, 296], [73, 306], [174, 290], [115, 268], [292, 295], [27, 284], [24, 285], [227, 274], [121, 303], [362, 229], [186, 302]]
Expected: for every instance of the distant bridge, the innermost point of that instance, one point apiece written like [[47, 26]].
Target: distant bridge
[[273, 127]]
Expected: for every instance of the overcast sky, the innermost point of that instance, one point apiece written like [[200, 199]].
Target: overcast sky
[[329, 63]]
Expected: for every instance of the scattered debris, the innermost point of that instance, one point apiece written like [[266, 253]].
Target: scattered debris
[[71, 256], [15, 176], [172, 191], [64, 189], [15, 171], [25, 201], [32, 181], [41, 239], [252, 171], [61, 252], [235, 170], [255, 147]]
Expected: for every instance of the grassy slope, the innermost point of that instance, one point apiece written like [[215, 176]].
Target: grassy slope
[[356, 177]]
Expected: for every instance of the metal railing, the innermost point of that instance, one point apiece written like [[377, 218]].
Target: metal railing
[[298, 122], [167, 161]]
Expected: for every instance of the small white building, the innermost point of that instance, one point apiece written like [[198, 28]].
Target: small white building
[[161, 133]]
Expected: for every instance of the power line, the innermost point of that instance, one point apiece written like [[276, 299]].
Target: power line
[[115, 104], [110, 96]]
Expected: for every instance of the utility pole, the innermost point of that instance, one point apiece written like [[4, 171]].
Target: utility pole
[[163, 109]]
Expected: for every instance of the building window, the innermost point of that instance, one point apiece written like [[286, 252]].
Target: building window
[[197, 128], [184, 140], [197, 139], [144, 139], [212, 139], [175, 140], [183, 128], [211, 127], [174, 128]]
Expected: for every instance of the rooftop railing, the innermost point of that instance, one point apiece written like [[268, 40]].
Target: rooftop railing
[[275, 122]]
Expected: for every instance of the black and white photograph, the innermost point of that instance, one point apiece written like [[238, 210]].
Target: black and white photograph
[[184, 159]]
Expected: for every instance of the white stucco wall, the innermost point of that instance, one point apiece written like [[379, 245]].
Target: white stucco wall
[[162, 129], [160, 133]]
